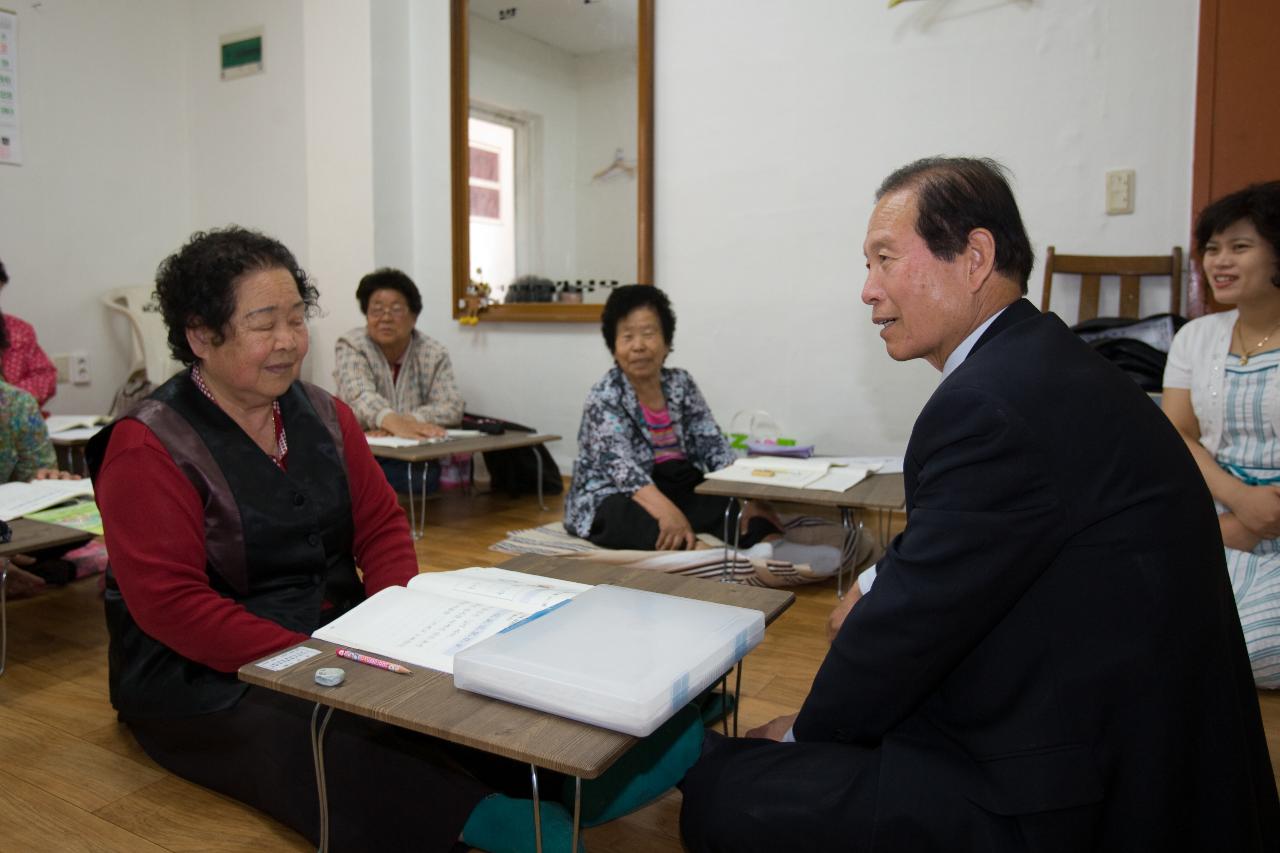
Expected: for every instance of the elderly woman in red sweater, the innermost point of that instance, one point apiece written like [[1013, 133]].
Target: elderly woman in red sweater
[[22, 363]]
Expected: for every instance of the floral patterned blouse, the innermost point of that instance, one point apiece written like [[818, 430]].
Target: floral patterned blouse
[[615, 456], [24, 440], [24, 364]]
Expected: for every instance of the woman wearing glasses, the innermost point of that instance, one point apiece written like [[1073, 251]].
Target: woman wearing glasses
[[393, 377]]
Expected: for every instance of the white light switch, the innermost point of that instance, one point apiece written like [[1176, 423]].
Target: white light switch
[[1120, 191]]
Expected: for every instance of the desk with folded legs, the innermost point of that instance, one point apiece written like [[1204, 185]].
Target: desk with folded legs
[[882, 493], [29, 535], [420, 453], [428, 702]]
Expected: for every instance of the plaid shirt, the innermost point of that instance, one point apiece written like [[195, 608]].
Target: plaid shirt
[[24, 439], [424, 389], [615, 456]]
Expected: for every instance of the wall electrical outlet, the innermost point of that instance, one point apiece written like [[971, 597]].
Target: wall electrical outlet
[[80, 368], [62, 362], [1120, 191]]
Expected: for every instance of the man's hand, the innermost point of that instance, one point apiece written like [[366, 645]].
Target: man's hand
[[674, 531], [837, 617], [54, 474], [775, 729], [1258, 509], [407, 426]]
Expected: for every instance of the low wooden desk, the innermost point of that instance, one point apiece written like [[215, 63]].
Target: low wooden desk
[[427, 701], [419, 453], [882, 493], [29, 535], [70, 454]]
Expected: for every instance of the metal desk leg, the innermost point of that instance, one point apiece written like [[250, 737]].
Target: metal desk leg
[[727, 575], [4, 619], [737, 697], [852, 533], [317, 755], [728, 514], [577, 813], [537, 809], [538, 456]]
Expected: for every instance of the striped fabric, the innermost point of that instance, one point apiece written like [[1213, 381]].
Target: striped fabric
[[662, 435], [1250, 450], [711, 563]]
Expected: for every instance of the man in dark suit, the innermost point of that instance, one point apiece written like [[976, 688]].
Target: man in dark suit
[[1048, 658]]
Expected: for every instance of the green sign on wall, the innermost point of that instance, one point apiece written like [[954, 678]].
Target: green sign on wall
[[241, 54]]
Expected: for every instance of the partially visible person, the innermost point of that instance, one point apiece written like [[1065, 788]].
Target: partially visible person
[[25, 454], [1048, 657], [1222, 392], [267, 499], [22, 362], [397, 380], [646, 439]]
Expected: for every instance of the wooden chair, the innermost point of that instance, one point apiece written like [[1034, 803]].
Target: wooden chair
[[1129, 268]]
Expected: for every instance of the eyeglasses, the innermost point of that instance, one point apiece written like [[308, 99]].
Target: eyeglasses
[[395, 311]]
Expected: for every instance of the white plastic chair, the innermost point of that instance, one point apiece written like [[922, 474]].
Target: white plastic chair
[[150, 340]]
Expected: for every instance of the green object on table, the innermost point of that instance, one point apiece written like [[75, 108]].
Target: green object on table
[[82, 515]]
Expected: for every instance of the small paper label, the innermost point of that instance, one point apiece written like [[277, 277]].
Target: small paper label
[[284, 660]]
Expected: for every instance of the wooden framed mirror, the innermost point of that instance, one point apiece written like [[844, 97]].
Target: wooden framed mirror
[[543, 158]]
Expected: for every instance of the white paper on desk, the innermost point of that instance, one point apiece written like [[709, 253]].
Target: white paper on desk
[[877, 464], [781, 471], [840, 478], [440, 613], [19, 499], [397, 441], [75, 433], [57, 424]]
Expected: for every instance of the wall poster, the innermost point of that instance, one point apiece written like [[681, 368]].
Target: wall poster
[[10, 136]]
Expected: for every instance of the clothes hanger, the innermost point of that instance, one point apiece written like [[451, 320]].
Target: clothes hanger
[[619, 165]]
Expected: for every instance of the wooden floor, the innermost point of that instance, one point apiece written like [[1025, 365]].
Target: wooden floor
[[71, 777]]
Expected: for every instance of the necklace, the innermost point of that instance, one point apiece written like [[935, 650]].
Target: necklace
[[1245, 354]]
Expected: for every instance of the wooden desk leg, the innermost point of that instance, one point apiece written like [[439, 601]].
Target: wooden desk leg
[[537, 809], [317, 755]]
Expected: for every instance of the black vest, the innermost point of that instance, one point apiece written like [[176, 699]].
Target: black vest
[[279, 543]]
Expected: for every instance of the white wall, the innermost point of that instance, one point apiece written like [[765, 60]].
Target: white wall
[[774, 124], [104, 190]]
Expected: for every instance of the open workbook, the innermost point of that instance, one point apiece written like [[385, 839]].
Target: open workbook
[[20, 499], [824, 474], [440, 613]]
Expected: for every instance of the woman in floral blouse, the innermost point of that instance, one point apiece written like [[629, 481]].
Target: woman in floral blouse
[[22, 362], [646, 439]]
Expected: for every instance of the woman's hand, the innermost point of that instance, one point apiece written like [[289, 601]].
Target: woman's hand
[[1235, 534], [674, 531], [407, 426], [1258, 509], [54, 474]]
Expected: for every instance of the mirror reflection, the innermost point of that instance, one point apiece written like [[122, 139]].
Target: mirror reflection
[[552, 160]]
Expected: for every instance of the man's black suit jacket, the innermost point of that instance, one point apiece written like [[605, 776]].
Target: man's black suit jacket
[[1050, 656]]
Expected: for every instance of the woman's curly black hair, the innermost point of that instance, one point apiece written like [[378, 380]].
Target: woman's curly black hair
[[628, 298], [1258, 203], [196, 284]]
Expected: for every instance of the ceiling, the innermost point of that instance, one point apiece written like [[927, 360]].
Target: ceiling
[[578, 27]]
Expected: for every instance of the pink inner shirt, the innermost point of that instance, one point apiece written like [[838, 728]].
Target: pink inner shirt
[[662, 437]]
